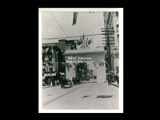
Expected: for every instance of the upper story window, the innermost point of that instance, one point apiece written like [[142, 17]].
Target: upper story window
[[117, 27], [118, 39], [116, 14]]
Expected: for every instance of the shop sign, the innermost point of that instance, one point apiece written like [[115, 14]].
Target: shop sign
[[50, 74], [62, 73], [46, 58], [53, 74]]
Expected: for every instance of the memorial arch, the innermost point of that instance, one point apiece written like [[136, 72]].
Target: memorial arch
[[95, 58]]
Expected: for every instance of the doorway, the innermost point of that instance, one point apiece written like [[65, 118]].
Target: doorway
[[81, 70], [86, 71]]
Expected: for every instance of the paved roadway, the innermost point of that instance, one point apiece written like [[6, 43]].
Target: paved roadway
[[83, 96]]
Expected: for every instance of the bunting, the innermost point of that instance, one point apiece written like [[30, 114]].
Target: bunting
[[90, 41], [85, 42]]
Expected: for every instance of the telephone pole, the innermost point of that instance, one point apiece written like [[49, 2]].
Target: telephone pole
[[108, 46], [107, 32]]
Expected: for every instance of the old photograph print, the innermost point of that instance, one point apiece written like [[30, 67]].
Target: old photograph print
[[80, 66]]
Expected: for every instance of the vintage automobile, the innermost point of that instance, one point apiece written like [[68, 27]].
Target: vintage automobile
[[78, 79], [87, 78], [66, 83]]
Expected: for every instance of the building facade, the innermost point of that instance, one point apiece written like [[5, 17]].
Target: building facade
[[116, 46], [67, 45], [53, 60], [111, 20]]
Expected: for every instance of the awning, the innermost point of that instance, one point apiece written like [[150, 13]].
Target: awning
[[49, 74], [84, 51], [62, 73]]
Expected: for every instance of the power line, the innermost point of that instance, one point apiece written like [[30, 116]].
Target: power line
[[74, 36], [58, 24]]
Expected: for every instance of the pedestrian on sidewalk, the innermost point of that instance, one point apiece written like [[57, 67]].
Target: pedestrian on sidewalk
[[118, 78]]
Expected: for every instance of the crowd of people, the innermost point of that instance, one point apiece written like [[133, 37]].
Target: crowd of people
[[112, 78]]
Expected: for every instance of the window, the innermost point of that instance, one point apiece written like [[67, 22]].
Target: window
[[118, 39], [116, 14], [117, 28]]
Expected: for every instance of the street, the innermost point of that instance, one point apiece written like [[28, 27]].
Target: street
[[88, 95]]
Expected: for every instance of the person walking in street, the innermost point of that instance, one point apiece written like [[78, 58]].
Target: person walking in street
[[74, 80], [62, 81], [58, 78], [109, 78], [52, 81], [49, 81]]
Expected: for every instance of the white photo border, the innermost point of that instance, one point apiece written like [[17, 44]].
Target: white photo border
[[120, 10]]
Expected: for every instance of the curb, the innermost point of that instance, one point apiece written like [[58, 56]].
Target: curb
[[115, 85]]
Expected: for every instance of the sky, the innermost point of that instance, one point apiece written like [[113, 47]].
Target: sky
[[87, 23]]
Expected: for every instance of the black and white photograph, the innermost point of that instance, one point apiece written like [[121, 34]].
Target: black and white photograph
[[80, 60]]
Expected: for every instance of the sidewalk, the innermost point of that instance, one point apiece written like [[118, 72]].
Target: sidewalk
[[112, 83], [115, 84]]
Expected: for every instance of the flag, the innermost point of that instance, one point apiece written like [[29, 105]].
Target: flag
[[87, 42], [79, 42], [74, 18], [108, 17], [90, 41], [83, 37]]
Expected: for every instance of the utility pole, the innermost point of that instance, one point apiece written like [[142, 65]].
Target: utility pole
[[109, 38], [108, 47], [107, 31]]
